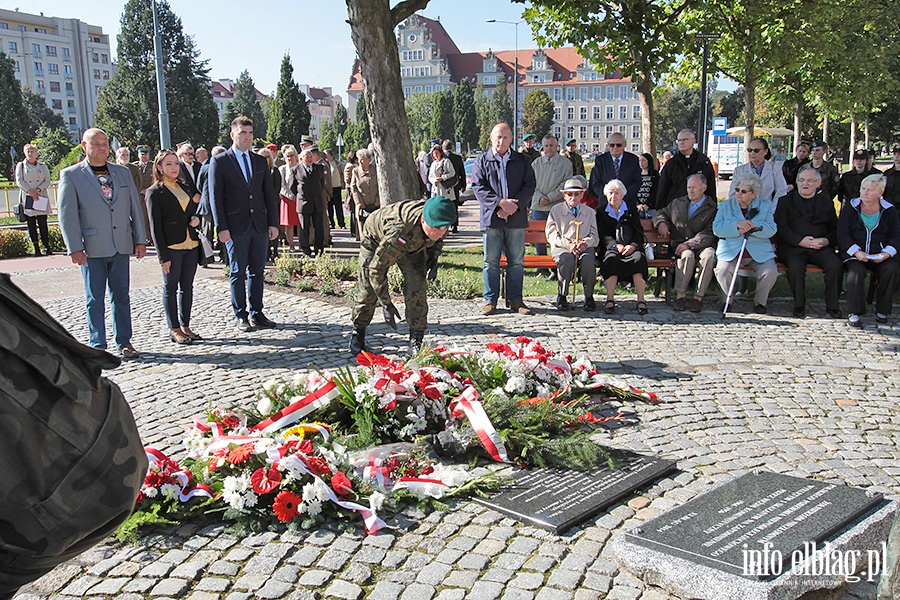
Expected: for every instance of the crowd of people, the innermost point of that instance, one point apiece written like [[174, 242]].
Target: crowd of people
[[244, 202]]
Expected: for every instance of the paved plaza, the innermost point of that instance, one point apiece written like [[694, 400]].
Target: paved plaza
[[808, 397]]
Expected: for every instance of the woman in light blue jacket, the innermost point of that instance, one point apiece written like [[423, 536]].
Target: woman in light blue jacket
[[745, 214]]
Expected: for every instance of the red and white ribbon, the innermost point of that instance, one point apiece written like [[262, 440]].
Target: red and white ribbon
[[185, 478], [469, 404], [297, 410]]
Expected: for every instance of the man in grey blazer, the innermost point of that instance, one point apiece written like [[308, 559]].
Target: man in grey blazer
[[102, 224]]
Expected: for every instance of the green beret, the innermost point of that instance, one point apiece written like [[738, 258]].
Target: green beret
[[440, 212], [528, 136]]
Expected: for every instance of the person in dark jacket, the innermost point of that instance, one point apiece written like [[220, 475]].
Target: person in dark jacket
[[622, 244], [685, 162], [459, 167], [827, 170], [807, 233], [173, 226], [792, 166], [504, 203], [892, 190], [848, 187], [869, 237]]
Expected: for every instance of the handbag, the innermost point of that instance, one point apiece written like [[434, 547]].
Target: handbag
[[19, 210], [206, 250]]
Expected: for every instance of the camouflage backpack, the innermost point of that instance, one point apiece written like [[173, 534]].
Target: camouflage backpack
[[71, 459]]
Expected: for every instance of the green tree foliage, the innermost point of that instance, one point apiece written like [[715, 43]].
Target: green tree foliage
[[290, 116], [464, 116], [127, 107], [328, 136], [68, 160], [53, 144], [729, 105], [501, 108], [245, 103], [483, 115], [419, 117], [537, 113], [358, 134], [13, 116], [341, 121], [41, 115], [442, 126], [640, 37], [676, 109]]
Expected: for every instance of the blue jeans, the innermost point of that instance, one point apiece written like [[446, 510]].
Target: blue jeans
[[178, 287], [247, 251], [510, 242], [540, 215], [100, 273]]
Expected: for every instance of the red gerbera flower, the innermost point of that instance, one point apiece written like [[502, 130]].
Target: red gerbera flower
[[231, 422], [240, 454], [265, 480], [318, 466], [286, 506], [340, 483], [368, 359]]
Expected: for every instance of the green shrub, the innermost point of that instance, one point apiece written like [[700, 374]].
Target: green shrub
[[332, 268], [327, 288], [455, 284], [306, 285], [57, 244], [287, 267], [14, 243]]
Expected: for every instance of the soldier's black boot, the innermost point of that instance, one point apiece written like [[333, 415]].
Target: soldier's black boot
[[415, 342], [358, 341]]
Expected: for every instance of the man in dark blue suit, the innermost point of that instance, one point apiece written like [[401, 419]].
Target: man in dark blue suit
[[617, 164], [244, 205]]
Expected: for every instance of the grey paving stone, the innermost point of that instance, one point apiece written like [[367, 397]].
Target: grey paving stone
[[188, 570], [451, 594], [485, 590], [433, 574], [418, 591], [474, 562], [548, 593], [305, 556], [461, 579], [343, 590], [527, 581], [139, 585], [449, 556], [213, 584], [386, 590], [250, 582], [517, 594], [170, 587], [333, 560], [108, 587], [157, 569], [314, 577], [523, 545], [510, 562], [274, 589], [623, 593], [541, 564], [222, 567], [357, 573]]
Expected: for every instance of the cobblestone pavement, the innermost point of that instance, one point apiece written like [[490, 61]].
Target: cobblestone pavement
[[810, 397]]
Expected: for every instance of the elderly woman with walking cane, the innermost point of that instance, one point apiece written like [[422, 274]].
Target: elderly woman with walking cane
[[745, 225]]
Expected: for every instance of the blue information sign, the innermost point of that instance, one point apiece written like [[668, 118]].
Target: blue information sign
[[719, 125]]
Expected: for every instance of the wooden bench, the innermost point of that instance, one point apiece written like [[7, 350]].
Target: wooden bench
[[663, 264]]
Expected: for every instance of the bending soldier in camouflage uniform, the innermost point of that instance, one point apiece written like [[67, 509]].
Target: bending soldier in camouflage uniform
[[407, 234]]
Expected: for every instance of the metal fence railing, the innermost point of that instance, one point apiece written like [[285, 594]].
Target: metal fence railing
[[9, 197]]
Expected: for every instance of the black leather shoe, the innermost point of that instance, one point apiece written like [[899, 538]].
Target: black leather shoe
[[263, 322], [561, 304], [760, 309], [589, 305], [799, 312], [243, 324], [835, 314]]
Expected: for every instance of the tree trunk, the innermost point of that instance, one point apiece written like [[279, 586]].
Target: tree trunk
[[798, 120], [372, 30], [749, 108], [853, 134], [825, 122], [648, 118], [867, 131]]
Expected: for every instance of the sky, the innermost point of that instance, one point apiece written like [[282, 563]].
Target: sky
[[316, 34]]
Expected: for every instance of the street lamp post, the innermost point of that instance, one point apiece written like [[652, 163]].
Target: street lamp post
[[164, 133], [515, 79], [704, 101]]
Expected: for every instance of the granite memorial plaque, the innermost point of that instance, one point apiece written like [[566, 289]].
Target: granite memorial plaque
[[757, 526], [558, 499]]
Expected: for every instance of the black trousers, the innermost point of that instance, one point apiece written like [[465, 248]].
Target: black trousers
[[35, 223], [888, 272], [796, 258], [336, 208], [306, 223]]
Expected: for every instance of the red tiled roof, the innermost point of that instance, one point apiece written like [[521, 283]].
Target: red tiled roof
[[440, 36], [355, 78]]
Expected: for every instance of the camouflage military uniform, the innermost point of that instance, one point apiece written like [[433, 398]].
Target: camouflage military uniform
[[71, 459], [394, 235]]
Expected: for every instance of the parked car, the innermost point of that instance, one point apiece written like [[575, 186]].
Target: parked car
[[468, 193]]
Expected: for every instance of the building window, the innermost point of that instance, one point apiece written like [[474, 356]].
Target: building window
[[51, 50], [609, 131], [66, 55], [439, 88], [582, 132], [623, 129], [54, 86], [412, 55], [106, 75], [636, 111], [56, 104], [4, 25], [584, 94], [53, 68], [635, 148], [595, 132], [417, 89], [598, 93], [490, 79], [96, 73], [623, 92], [597, 113], [40, 30], [570, 132], [16, 67], [557, 113], [623, 112], [95, 57], [429, 89], [609, 113], [67, 69], [570, 94], [610, 92], [635, 94], [582, 113], [70, 103], [36, 50], [39, 69], [405, 72], [104, 59], [557, 131], [39, 84], [13, 48], [407, 91], [557, 94], [570, 113], [636, 132], [72, 121], [21, 28]]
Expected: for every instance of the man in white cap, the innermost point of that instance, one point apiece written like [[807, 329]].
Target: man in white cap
[[572, 233]]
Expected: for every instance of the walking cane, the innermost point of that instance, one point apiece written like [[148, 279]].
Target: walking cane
[[737, 269], [577, 225]]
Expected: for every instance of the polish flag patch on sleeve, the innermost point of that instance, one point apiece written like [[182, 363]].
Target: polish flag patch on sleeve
[[401, 241]]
